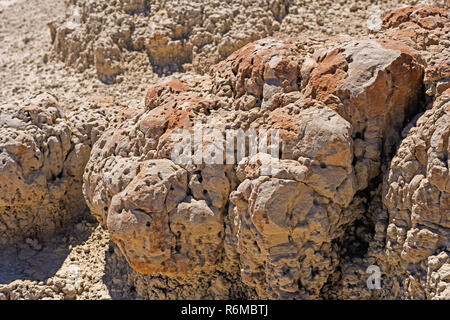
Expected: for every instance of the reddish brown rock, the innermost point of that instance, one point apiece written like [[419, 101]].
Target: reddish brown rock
[[273, 230], [173, 36], [260, 73], [374, 85]]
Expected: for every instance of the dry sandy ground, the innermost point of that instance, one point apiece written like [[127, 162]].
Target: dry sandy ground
[[81, 262]]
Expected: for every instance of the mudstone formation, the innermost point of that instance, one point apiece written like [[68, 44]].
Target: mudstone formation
[[176, 35], [363, 176]]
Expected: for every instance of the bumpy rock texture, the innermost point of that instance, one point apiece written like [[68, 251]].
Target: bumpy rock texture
[[193, 35], [427, 29], [40, 173], [340, 113], [417, 197], [406, 215], [362, 180], [43, 154], [416, 186], [176, 35]]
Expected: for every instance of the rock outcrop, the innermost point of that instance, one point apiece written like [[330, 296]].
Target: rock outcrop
[[40, 170], [44, 151], [405, 225], [279, 231], [176, 36], [193, 35], [416, 186], [417, 198], [282, 172], [427, 29]]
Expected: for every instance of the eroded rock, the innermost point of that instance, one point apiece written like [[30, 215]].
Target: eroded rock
[[176, 36], [279, 231], [44, 151], [417, 200], [427, 30], [40, 190]]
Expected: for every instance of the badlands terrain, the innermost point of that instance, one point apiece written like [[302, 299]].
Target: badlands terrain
[[92, 206]]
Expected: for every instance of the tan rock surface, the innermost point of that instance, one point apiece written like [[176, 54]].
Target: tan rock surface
[[40, 185], [345, 108], [427, 30]]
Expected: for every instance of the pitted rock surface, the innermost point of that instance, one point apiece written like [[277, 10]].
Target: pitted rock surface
[[175, 35], [40, 186], [363, 176], [427, 30], [282, 227], [194, 35], [417, 199]]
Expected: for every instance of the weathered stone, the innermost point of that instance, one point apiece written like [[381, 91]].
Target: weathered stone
[[279, 228]]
